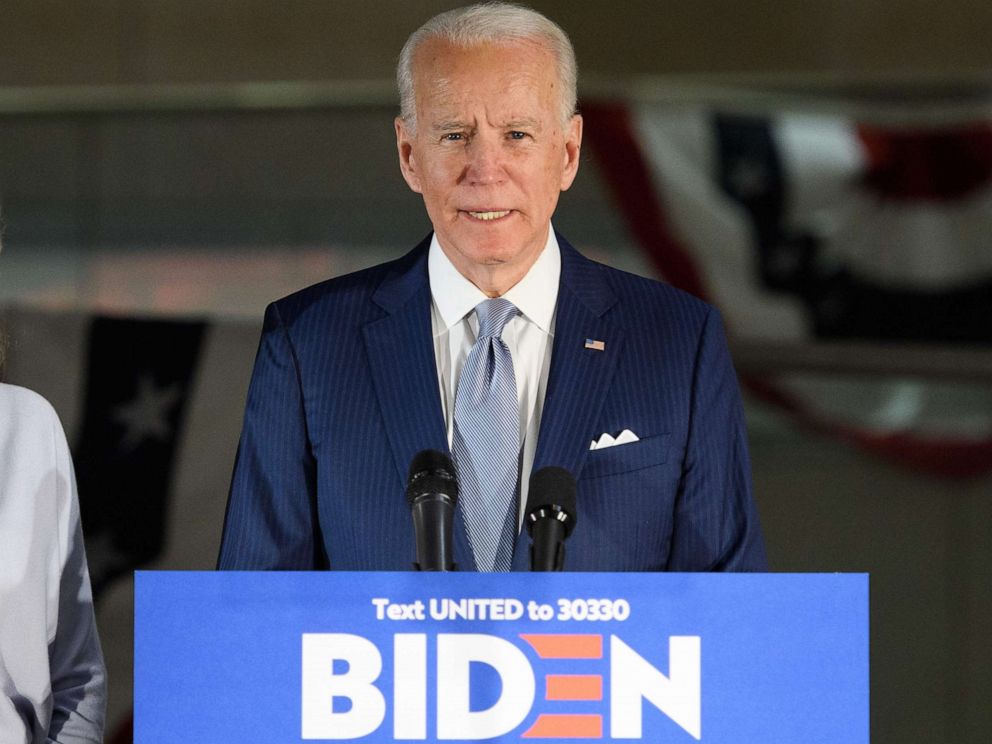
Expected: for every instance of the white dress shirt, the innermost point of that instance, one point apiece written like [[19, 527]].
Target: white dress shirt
[[529, 337], [52, 680]]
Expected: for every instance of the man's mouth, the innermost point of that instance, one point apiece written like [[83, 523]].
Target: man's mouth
[[489, 214]]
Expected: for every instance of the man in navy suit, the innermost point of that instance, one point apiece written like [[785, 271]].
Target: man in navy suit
[[623, 381]]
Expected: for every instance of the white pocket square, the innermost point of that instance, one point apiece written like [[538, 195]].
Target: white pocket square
[[606, 440]]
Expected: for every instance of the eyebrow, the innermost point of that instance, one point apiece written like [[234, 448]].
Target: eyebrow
[[458, 126], [450, 126], [523, 124]]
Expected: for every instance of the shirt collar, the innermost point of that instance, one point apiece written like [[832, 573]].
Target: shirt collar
[[535, 295]]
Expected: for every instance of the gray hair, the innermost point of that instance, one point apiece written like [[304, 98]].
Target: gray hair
[[493, 23]]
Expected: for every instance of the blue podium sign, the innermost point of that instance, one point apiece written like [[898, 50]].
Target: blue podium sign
[[376, 657]]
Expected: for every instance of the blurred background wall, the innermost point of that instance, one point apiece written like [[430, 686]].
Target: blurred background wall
[[168, 167], [169, 41]]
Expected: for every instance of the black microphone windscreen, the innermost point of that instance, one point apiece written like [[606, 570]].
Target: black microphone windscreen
[[552, 486], [431, 471]]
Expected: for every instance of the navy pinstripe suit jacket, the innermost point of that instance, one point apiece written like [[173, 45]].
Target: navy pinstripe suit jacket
[[345, 393]]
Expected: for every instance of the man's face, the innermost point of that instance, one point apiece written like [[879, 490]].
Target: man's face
[[490, 155]]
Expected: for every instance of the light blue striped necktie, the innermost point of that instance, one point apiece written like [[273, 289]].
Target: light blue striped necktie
[[486, 440]]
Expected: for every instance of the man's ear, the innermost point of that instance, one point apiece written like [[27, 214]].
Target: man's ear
[[404, 147], [573, 147]]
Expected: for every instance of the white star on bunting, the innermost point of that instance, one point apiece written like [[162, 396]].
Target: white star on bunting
[[146, 416]]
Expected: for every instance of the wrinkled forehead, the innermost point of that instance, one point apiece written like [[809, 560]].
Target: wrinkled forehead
[[517, 73]]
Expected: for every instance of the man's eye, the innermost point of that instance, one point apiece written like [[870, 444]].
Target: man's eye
[[517, 135], [453, 137]]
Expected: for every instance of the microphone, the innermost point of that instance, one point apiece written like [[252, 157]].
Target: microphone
[[432, 491], [550, 517]]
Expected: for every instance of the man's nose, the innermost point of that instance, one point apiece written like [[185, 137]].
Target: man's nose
[[485, 161]]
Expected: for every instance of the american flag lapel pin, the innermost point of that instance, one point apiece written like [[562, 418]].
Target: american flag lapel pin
[[595, 344]]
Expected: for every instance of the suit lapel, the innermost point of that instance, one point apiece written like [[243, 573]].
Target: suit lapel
[[579, 377], [404, 373], [400, 348]]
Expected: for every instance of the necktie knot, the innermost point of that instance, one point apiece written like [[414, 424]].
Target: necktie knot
[[494, 315]]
